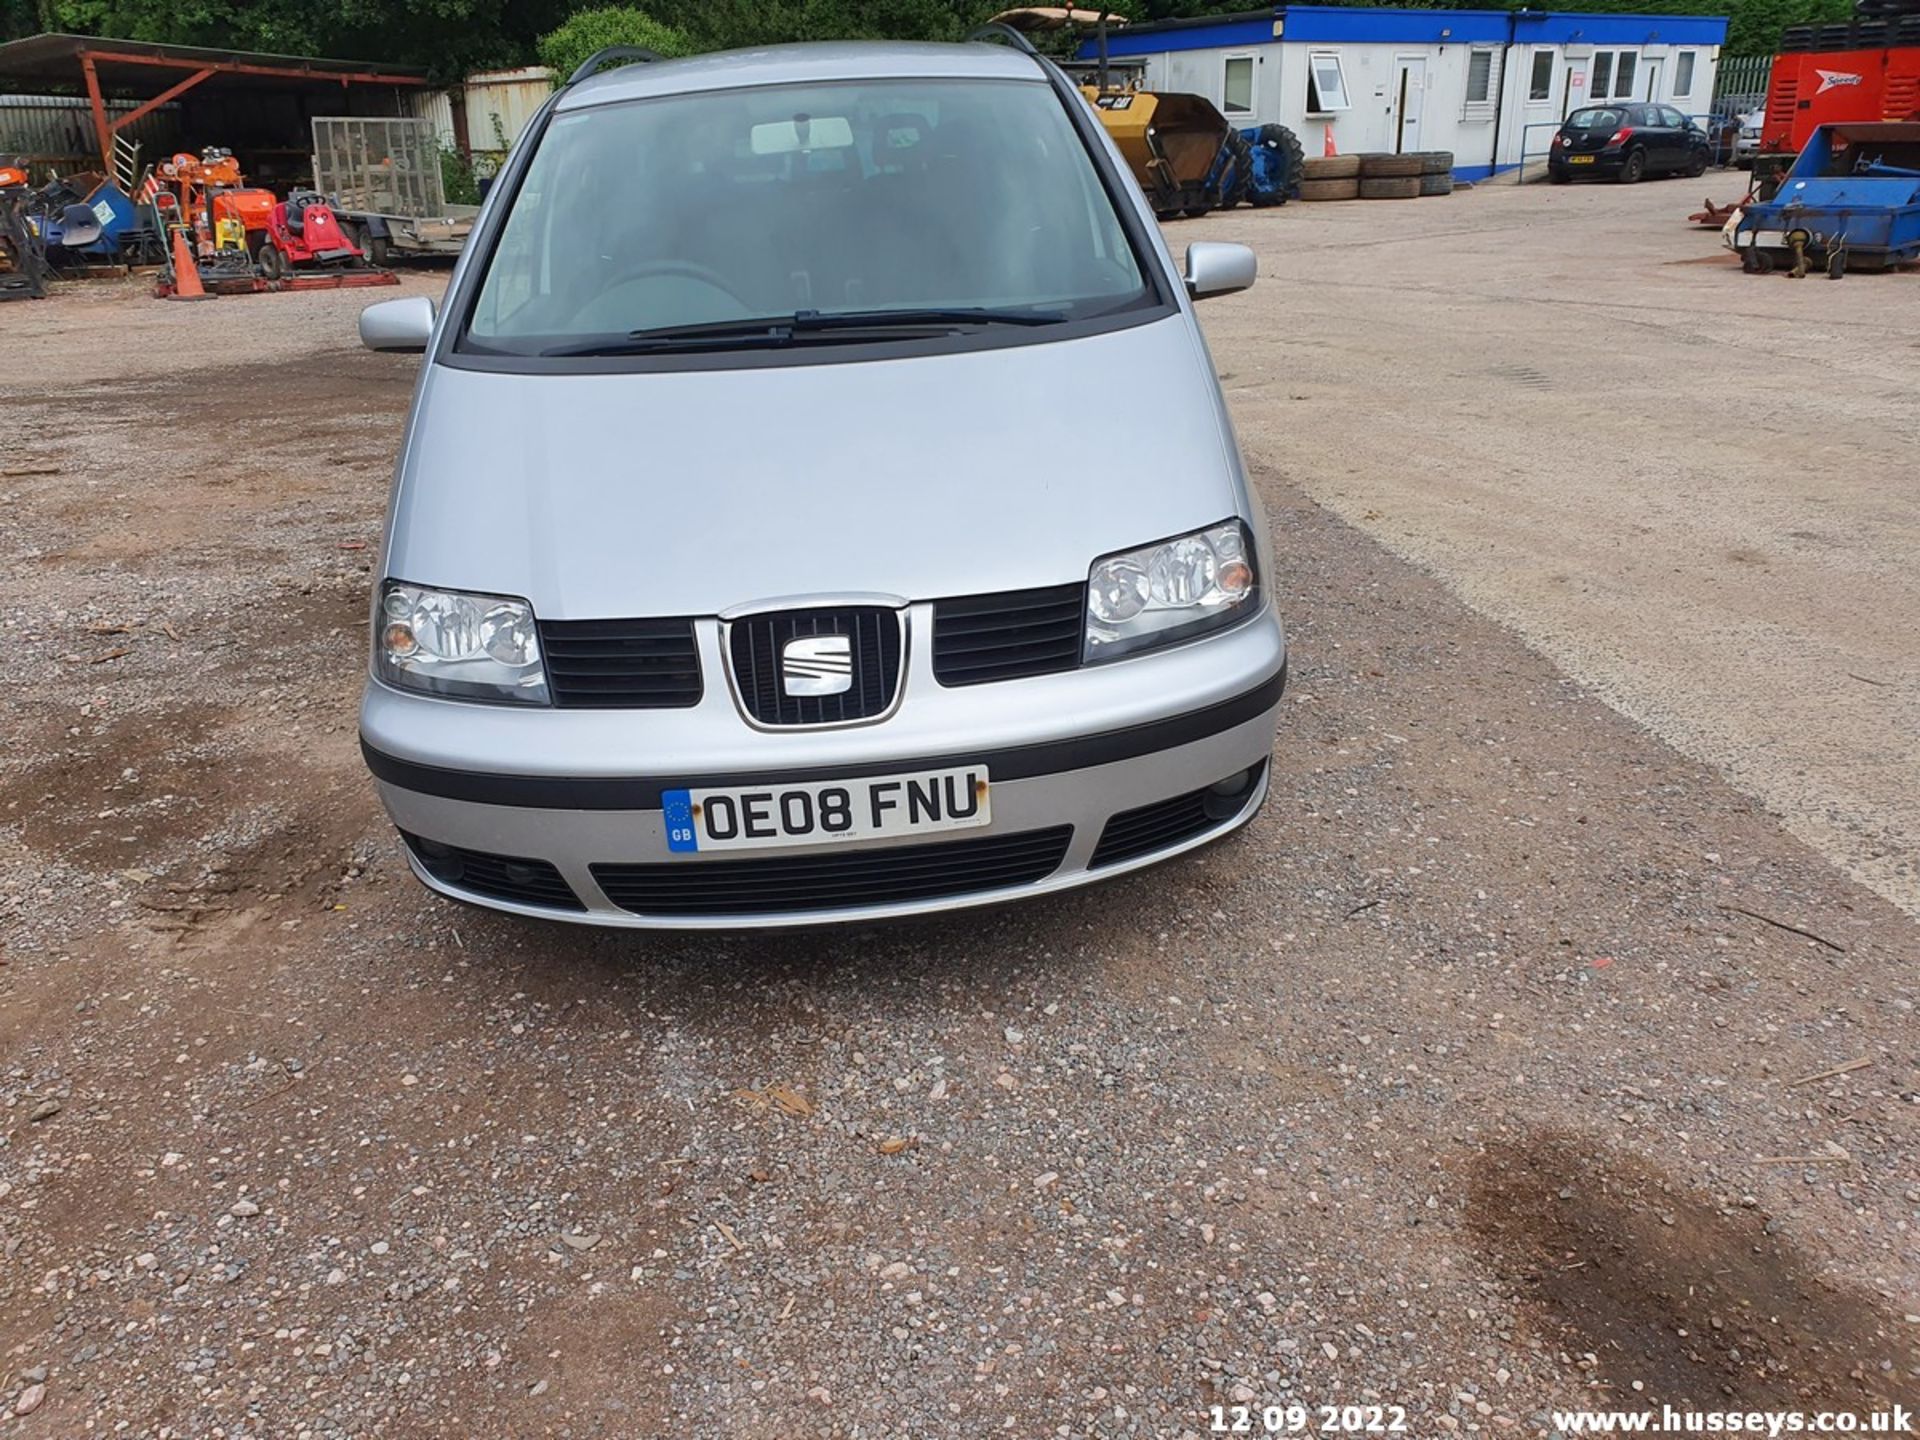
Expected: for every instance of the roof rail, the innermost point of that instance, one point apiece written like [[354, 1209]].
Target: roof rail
[[609, 55], [995, 32]]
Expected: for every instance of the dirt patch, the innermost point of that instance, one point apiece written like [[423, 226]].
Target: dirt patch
[[1700, 1304], [194, 820]]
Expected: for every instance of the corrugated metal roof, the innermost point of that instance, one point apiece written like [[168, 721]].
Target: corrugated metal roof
[[55, 59]]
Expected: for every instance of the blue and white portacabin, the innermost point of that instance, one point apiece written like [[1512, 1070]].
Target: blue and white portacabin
[[1489, 85]]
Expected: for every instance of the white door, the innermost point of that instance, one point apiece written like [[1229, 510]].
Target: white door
[[1409, 97], [1653, 79]]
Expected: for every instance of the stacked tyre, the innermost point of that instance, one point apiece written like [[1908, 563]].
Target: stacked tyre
[[1390, 177], [1436, 172], [1332, 177]]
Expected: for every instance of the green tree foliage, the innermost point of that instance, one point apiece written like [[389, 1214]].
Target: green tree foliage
[[449, 37], [587, 31], [444, 37]]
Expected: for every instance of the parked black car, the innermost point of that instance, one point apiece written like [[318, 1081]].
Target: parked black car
[[1627, 142]]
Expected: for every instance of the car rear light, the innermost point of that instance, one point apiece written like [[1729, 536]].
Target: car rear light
[[1558, 139], [1621, 135]]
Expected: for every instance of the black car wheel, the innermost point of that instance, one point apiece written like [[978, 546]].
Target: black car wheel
[[1559, 177], [1635, 168], [1697, 166]]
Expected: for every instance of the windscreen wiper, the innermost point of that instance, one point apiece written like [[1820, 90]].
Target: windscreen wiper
[[938, 315], [806, 327]]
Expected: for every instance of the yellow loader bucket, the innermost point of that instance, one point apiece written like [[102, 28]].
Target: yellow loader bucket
[[1170, 141]]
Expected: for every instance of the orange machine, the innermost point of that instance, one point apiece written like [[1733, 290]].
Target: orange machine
[[213, 196]]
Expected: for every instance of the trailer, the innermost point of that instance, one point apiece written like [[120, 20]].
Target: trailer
[[383, 179], [1851, 200]]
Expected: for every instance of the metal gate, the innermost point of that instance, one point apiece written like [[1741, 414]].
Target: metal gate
[[379, 167], [1741, 83]]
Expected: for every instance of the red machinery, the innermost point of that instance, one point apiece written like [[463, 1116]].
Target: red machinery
[[212, 197], [303, 233], [1862, 71]]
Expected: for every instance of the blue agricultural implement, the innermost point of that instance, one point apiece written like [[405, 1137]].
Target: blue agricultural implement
[[1851, 200]]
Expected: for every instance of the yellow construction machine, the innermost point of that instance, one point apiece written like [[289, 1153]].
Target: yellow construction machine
[[1181, 149]]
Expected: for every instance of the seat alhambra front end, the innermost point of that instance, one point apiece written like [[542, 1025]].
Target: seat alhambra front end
[[817, 505]]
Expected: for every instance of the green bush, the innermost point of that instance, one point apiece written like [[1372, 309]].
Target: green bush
[[456, 177], [566, 49]]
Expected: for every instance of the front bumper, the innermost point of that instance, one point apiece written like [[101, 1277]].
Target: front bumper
[[1116, 744]]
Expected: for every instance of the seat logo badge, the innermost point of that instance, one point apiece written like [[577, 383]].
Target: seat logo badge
[[817, 665]]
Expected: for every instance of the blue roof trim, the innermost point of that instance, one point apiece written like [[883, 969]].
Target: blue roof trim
[[1140, 41], [1334, 25]]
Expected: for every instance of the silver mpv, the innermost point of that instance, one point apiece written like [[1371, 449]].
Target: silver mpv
[[817, 505]]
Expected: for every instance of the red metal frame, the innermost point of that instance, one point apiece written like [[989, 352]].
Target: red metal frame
[[105, 129]]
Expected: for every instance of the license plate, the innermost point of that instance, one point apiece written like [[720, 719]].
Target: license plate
[[765, 817], [1579, 159]]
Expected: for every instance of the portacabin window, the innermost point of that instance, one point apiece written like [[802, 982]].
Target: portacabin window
[[1540, 83], [1326, 83], [1236, 90], [1623, 75], [1483, 82], [1683, 75], [1480, 76], [1600, 76]]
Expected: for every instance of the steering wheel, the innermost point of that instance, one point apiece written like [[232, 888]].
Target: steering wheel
[[682, 268]]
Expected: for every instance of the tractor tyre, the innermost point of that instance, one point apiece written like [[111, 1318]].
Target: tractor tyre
[[1391, 167], [1331, 167], [1435, 162], [1436, 184], [1194, 212], [1347, 189], [378, 250], [1280, 138], [1392, 187], [272, 263], [1239, 185]]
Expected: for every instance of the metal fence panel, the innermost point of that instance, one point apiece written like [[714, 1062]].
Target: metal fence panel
[[1742, 81], [379, 166]]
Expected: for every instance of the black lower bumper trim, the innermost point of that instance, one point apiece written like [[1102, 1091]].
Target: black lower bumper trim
[[642, 792]]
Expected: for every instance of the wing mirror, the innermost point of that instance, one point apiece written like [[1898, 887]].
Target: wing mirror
[[1214, 267], [404, 324]]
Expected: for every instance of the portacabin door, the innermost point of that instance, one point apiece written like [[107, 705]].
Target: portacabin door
[[1409, 101]]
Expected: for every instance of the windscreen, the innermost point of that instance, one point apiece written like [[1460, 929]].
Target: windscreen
[[840, 198], [1594, 120]]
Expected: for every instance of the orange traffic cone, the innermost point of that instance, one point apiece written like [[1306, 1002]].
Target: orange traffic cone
[[186, 274], [1329, 150]]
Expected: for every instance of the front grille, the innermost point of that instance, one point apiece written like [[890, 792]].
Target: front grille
[[978, 638], [836, 882], [757, 642], [502, 877], [1165, 823], [621, 664]]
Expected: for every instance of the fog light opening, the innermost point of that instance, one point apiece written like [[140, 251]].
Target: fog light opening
[[441, 861], [1228, 797]]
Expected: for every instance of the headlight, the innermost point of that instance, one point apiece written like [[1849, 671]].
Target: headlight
[[1167, 592], [475, 647]]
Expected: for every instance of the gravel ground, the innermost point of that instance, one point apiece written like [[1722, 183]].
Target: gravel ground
[[1477, 1076], [1691, 488]]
